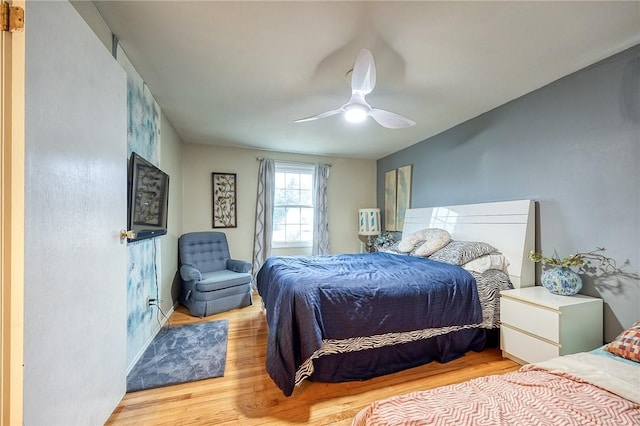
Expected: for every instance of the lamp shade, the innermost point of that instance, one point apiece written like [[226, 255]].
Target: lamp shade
[[369, 222]]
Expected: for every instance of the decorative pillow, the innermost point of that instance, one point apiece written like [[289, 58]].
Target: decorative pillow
[[409, 243], [461, 252], [487, 262], [434, 241], [393, 249], [627, 344]]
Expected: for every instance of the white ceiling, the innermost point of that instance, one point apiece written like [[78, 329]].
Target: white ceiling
[[239, 73]]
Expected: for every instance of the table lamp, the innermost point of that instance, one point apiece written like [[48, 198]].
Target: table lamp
[[368, 226]]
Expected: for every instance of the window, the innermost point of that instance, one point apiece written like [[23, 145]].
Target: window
[[293, 205]]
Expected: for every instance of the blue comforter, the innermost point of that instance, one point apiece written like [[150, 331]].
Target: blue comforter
[[309, 299]]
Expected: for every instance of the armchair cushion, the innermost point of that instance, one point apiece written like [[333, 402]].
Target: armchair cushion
[[238, 265], [218, 280], [189, 273]]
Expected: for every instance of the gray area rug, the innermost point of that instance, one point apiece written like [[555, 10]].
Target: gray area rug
[[182, 353]]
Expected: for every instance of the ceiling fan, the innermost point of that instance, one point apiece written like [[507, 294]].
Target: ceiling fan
[[363, 80]]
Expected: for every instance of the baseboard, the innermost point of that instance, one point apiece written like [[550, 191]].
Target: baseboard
[[163, 321]]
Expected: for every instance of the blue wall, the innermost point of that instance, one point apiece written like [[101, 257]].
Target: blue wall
[[143, 277], [574, 147]]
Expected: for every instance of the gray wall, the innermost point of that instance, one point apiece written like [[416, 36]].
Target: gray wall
[[75, 204], [574, 147]]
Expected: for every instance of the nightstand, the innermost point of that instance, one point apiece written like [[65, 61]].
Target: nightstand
[[537, 325]]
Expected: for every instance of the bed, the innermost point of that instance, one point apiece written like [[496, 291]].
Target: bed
[[594, 388], [351, 317]]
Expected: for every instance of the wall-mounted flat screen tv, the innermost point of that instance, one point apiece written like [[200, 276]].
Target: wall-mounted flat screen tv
[[148, 202]]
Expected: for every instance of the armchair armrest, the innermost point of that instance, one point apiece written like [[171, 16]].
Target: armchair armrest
[[189, 273], [238, 265]]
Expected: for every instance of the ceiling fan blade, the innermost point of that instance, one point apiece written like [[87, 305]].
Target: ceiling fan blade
[[321, 115], [389, 119], [363, 78]]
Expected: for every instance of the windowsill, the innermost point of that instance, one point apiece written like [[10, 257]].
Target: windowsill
[[281, 245]]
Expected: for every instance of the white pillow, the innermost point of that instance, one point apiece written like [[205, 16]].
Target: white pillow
[[487, 262], [407, 244], [436, 239]]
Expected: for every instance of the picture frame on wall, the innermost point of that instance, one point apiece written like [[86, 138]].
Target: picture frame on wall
[[403, 194], [397, 197], [224, 210], [390, 200]]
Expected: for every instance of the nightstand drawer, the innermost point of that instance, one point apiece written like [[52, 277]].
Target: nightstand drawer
[[531, 318], [526, 347]]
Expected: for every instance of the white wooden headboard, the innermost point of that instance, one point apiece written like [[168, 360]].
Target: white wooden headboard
[[509, 226]]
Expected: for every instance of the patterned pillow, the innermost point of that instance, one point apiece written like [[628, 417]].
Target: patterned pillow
[[627, 344], [461, 252], [420, 237]]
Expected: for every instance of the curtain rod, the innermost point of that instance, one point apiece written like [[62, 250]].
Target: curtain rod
[[292, 161]]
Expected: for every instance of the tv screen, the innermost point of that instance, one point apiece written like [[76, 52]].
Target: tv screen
[[148, 202]]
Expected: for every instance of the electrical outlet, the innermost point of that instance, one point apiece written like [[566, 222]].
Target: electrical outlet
[[148, 302]]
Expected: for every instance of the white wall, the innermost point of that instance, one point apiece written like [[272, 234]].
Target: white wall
[[92, 17], [160, 254], [75, 205], [352, 185], [171, 163]]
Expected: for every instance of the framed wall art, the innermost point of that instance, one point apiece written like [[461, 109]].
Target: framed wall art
[[390, 200], [224, 200], [403, 195], [397, 197]]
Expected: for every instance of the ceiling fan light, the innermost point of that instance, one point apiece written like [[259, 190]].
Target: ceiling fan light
[[355, 114]]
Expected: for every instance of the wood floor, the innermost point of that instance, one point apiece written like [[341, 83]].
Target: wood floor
[[247, 396]]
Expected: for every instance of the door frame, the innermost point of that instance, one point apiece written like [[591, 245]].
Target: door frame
[[12, 148]]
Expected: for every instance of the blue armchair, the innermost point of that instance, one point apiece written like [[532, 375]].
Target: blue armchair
[[212, 282]]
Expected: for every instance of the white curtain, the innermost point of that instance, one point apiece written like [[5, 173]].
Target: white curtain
[[320, 220], [264, 214]]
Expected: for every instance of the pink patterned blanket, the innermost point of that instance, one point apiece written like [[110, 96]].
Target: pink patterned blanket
[[526, 397]]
